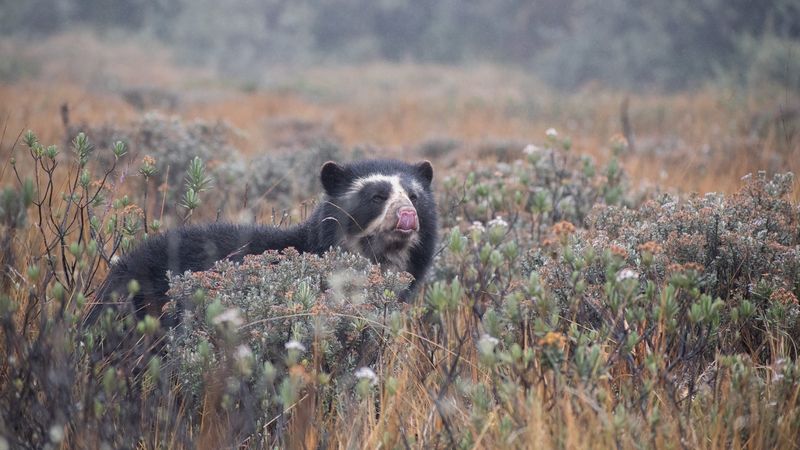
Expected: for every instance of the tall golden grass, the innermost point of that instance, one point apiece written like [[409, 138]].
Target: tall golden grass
[[694, 141]]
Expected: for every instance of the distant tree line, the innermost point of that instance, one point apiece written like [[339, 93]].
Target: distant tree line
[[630, 43]]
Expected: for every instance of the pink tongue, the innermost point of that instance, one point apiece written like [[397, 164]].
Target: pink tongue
[[407, 221]]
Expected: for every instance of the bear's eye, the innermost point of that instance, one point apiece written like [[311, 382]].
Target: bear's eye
[[378, 198], [412, 197]]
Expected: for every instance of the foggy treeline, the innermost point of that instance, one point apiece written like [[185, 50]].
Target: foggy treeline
[[625, 43]]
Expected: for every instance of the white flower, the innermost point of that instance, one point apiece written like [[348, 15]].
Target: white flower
[[627, 274], [489, 339], [531, 149], [486, 345], [498, 221], [551, 133], [243, 352], [367, 373], [230, 316], [56, 433], [477, 226], [295, 345]]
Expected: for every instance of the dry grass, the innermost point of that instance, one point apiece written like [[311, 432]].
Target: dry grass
[[695, 141]]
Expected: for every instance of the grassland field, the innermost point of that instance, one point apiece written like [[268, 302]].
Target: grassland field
[[575, 303]]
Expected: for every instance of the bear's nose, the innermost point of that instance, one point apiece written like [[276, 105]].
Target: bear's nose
[[407, 219]]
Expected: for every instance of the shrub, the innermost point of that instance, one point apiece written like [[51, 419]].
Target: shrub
[[770, 61], [170, 141], [293, 175], [438, 147], [648, 311], [279, 325], [542, 186], [16, 65], [742, 249]]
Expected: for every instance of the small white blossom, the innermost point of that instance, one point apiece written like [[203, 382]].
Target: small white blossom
[[295, 345], [367, 373], [498, 221], [486, 345], [531, 149], [243, 352], [230, 316], [56, 433], [551, 133], [477, 226], [627, 274], [489, 339]]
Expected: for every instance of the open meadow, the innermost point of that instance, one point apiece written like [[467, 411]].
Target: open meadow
[[615, 268]]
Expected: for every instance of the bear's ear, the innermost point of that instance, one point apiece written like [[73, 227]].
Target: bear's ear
[[424, 171], [334, 178]]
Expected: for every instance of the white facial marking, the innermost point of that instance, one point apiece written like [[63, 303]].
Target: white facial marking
[[398, 197], [398, 194], [416, 187], [359, 183]]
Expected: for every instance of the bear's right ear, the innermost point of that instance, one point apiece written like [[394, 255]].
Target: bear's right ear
[[334, 178]]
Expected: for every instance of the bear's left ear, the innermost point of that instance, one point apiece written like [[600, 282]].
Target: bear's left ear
[[424, 171], [334, 178]]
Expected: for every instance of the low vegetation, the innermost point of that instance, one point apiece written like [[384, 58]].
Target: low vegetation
[[565, 309]]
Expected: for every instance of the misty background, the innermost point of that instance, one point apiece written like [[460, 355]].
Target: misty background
[[645, 44]]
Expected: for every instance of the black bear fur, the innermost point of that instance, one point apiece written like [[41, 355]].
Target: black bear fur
[[339, 220]]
